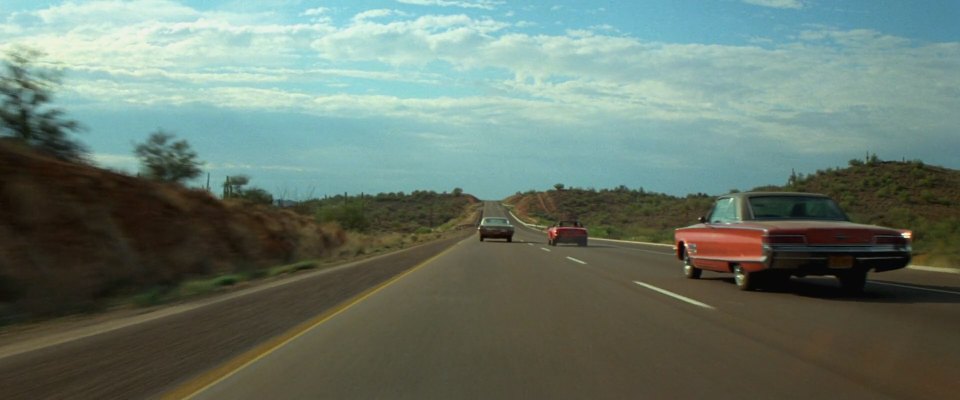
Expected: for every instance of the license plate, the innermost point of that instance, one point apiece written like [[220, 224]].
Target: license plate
[[840, 261]]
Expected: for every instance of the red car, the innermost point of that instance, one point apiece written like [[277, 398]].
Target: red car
[[778, 235], [570, 231]]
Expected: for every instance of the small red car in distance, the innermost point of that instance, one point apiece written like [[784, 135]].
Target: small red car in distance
[[567, 231], [772, 236]]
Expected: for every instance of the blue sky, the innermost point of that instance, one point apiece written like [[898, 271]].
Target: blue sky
[[323, 97]]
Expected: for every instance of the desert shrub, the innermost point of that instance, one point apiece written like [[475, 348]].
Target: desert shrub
[[152, 296]]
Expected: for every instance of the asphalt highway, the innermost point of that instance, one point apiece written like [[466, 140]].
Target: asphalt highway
[[614, 320]]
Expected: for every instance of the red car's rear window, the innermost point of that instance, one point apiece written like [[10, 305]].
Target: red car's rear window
[[796, 207]]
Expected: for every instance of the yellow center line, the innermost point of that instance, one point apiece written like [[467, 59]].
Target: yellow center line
[[213, 377]]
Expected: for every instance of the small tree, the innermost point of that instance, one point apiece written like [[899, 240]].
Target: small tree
[[25, 94], [559, 186], [164, 160], [233, 186], [350, 216], [258, 196]]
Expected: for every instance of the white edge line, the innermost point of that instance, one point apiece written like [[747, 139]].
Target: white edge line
[[934, 269], [576, 260], [633, 242], [541, 227], [676, 296], [914, 287]]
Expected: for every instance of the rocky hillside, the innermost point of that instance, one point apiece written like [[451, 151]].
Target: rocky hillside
[[73, 236]]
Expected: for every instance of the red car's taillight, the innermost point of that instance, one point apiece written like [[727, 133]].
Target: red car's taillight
[[901, 240], [906, 234]]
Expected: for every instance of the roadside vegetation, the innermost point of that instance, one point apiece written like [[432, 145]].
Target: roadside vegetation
[[417, 212], [900, 194], [162, 294]]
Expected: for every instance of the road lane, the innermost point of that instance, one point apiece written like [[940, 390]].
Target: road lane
[[508, 320]]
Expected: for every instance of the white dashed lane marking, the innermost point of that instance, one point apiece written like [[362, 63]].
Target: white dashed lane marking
[[674, 295], [914, 287]]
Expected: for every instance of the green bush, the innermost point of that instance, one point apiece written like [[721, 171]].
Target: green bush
[[153, 296], [291, 268], [196, 287], [226, 280]]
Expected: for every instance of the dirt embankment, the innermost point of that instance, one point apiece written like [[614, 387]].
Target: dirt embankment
[[72, 236]]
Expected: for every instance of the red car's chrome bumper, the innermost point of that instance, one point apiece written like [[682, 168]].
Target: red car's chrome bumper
[[833, 258]]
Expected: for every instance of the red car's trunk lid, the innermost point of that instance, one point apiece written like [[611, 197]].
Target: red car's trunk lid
[[839, 236], [826, 233]]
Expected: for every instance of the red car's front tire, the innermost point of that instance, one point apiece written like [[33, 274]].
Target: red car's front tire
[[689, 270], [743, 279]]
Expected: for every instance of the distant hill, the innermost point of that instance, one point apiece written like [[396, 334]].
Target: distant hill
[[910, 195], [417, 212]]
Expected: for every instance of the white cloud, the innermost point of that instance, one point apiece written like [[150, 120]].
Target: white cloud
[[117, 162], [315, 12], [416, 41], [786, 4], [769, 91], [375, 14], [478, 4], [114, 12], [235, 167]]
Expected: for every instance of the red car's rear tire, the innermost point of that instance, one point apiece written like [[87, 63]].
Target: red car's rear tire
[[853, 281]]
